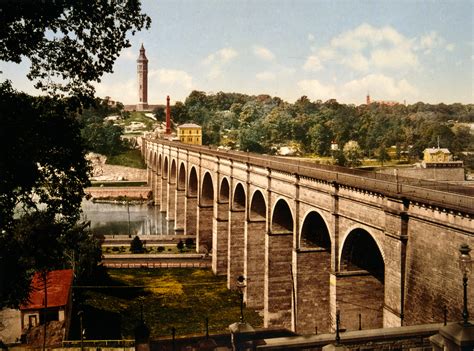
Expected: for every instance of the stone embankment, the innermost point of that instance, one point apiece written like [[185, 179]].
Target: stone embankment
[[104, 172], [132, 192]]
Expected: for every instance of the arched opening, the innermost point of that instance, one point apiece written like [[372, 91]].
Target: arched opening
[[224, 191], [159, 166], [173, 172], [258, 207], [314, 232], [207, 196], [282, 219], [361, 252], [193, 182], [360, 286], [239, 198], [314, 265], [165, 168], [153, 162], [182, 177]]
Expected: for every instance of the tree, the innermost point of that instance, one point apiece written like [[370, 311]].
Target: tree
[[136, 246], [180, 245], [352, 153], [84, 39], [70, 44], [382, 154]]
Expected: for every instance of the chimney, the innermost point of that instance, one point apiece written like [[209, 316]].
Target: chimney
[[168, 114]]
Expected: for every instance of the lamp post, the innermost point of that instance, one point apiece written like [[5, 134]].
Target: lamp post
[[465, 264], [241, 285]]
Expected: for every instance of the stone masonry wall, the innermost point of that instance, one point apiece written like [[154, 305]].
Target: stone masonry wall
[[312, 286], [360, 294], [235, 247], [254, 269]]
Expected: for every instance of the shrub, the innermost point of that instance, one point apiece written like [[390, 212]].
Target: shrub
[[160, 249], [136, 246], [180, 245], [189, 243]]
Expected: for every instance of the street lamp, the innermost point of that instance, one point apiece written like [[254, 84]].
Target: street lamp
[[241, 285], [465, 264]]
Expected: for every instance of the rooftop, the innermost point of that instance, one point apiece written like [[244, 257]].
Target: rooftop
[[58, 286]]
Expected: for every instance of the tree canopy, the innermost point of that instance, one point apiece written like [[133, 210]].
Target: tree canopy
[[70, 43]]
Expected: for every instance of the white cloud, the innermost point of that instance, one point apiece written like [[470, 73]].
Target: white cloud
[[380, 86], [263, 53], [221, 56], [310, 37], [316, 90], [172, 77], [266, 76], [431, 41], [125, 92], [217, 60], [367, 47], [312, 64], [128, 55]]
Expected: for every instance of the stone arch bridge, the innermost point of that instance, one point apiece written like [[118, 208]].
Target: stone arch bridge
[[313, 239]]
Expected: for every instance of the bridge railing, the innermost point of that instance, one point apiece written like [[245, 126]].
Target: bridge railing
[[435, 193]]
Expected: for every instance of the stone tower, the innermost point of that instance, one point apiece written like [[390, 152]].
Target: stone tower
[[142, 72]]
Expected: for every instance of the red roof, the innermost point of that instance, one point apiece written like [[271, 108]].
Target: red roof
[[58, 286]]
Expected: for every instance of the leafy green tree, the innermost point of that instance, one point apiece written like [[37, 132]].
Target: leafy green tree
[[160, 113], [382, 154], [180, 245], [84, 39], [352, 153], [70, 43]]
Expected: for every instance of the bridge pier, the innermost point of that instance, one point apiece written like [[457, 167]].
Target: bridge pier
[[220, 235], [171, 200], [254, 270], [179, 210], [278, 290], [163, 186], [235, 266], [204, 228], [190, 216]]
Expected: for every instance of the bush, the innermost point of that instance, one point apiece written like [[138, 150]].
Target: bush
[[160, 249], [136, 246], [189, 243], [180, 245]]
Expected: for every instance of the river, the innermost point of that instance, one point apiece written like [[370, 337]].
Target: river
[[123, 219]]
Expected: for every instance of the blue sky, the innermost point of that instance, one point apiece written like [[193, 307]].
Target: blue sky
[[396, 50]]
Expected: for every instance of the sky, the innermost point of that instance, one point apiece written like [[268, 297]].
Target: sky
[[394, 50]]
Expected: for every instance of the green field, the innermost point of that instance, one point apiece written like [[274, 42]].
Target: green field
[[175, 297], [128, 158]]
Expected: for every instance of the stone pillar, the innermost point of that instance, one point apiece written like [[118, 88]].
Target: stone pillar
[[179, 213], [334, 254], [454, 337], [156, 189], [312, 291], [204, 228], [396, 225], [235, 256], [254, 270], [220, 235], [190, 217], [171, 204], [163, 184], [278, 286]]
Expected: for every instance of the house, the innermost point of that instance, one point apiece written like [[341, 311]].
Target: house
[[439, 158], [190, 133], [59, 299]]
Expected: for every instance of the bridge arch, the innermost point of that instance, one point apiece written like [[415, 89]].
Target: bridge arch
[[282, 217], [182, 176], [239, 198], [258, 207], [173, 172], [314, 232], [360, 229], [207, 190], [224, 190], [153, 161], [360, 286], [165, 168], [193, 182], [159, 165]]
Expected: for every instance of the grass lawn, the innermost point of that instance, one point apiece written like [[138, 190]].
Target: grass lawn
[[128, 158], [174, 297]]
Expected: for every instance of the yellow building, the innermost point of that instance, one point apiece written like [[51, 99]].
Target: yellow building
[[436, 155], [190, 133]]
